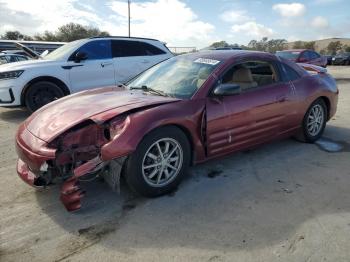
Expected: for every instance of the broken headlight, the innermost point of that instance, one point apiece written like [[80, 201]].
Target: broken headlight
[[117, 126]]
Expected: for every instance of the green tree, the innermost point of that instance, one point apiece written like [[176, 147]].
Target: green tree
[[323, 52], [298, 45], [347, 48], [72, 31], [47, 36], [15, 35], [304, 45], [334, 47], [274, 45], [219, 44], [267, 45], [310, 45]]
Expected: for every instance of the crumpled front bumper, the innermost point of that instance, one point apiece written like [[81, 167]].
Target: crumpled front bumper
[[26, 175], [71, 193], [36, 161]]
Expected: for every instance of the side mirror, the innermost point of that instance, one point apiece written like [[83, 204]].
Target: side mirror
[[227, 90], [80, 56]]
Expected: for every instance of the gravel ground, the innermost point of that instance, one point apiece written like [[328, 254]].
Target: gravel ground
[[284, 201]]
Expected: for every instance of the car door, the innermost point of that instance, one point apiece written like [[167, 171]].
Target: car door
[[97, 70], [131, 57], [256, 115]]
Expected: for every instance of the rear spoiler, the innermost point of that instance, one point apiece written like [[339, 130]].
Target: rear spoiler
[[313, 68]]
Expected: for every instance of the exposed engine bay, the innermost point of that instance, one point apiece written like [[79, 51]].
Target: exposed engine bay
[[78, 159]]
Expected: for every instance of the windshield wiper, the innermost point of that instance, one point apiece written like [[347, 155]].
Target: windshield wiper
[[148, 89], [122, 85]]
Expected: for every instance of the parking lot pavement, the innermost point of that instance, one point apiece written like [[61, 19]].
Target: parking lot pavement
[[285, 201], [340, 72]]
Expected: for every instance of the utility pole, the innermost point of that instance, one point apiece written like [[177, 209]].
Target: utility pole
[[129, 15]]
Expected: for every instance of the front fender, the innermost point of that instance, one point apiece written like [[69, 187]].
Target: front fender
[[187, 114]]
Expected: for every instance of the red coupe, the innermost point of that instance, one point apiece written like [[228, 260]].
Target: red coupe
[[181, 112], [304, 56]]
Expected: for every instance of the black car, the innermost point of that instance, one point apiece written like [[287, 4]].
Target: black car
[[341, 59], [329, 59], [10, 58]]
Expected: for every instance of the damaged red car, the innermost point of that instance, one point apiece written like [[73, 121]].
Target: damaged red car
[[183, 111]]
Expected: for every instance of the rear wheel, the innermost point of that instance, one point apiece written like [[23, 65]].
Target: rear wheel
[[159, 163], [42, 93], [314, 122]]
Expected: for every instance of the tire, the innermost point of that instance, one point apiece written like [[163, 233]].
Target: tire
[[40, 94], [152, 181], [347, 62], [310, 133]]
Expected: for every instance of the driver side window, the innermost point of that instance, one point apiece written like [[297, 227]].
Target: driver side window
[[251, 74]]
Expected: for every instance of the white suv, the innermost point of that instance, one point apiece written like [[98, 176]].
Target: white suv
[[76, 66]]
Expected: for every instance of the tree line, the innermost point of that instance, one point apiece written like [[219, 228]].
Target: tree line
[[65, 33], [74, 31], [274, 45]]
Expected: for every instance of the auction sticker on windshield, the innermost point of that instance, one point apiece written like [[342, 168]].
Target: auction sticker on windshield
[[207, 61]]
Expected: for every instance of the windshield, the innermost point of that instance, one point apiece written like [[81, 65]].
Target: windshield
[[291, 55], [61, 52], [178, 77]]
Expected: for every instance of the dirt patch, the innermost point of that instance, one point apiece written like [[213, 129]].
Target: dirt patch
[[98, 231], [214, 173]]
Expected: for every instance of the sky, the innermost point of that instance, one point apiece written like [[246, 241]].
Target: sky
[[189, 23]]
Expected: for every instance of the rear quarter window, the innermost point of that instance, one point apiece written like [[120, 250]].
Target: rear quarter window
[[125, 48]]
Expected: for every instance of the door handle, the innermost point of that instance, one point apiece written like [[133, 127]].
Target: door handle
[[103, 64]]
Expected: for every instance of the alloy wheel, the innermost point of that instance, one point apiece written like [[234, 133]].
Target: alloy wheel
[[315, 120], [162, 162]]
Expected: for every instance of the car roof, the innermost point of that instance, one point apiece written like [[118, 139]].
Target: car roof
[[124, 37], [224, 55]]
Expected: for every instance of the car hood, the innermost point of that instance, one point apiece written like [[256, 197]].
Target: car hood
[[28, 64], [97, 105]]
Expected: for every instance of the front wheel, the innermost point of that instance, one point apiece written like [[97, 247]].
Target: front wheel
[[314, 122], [159, 162], [41, 93]]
